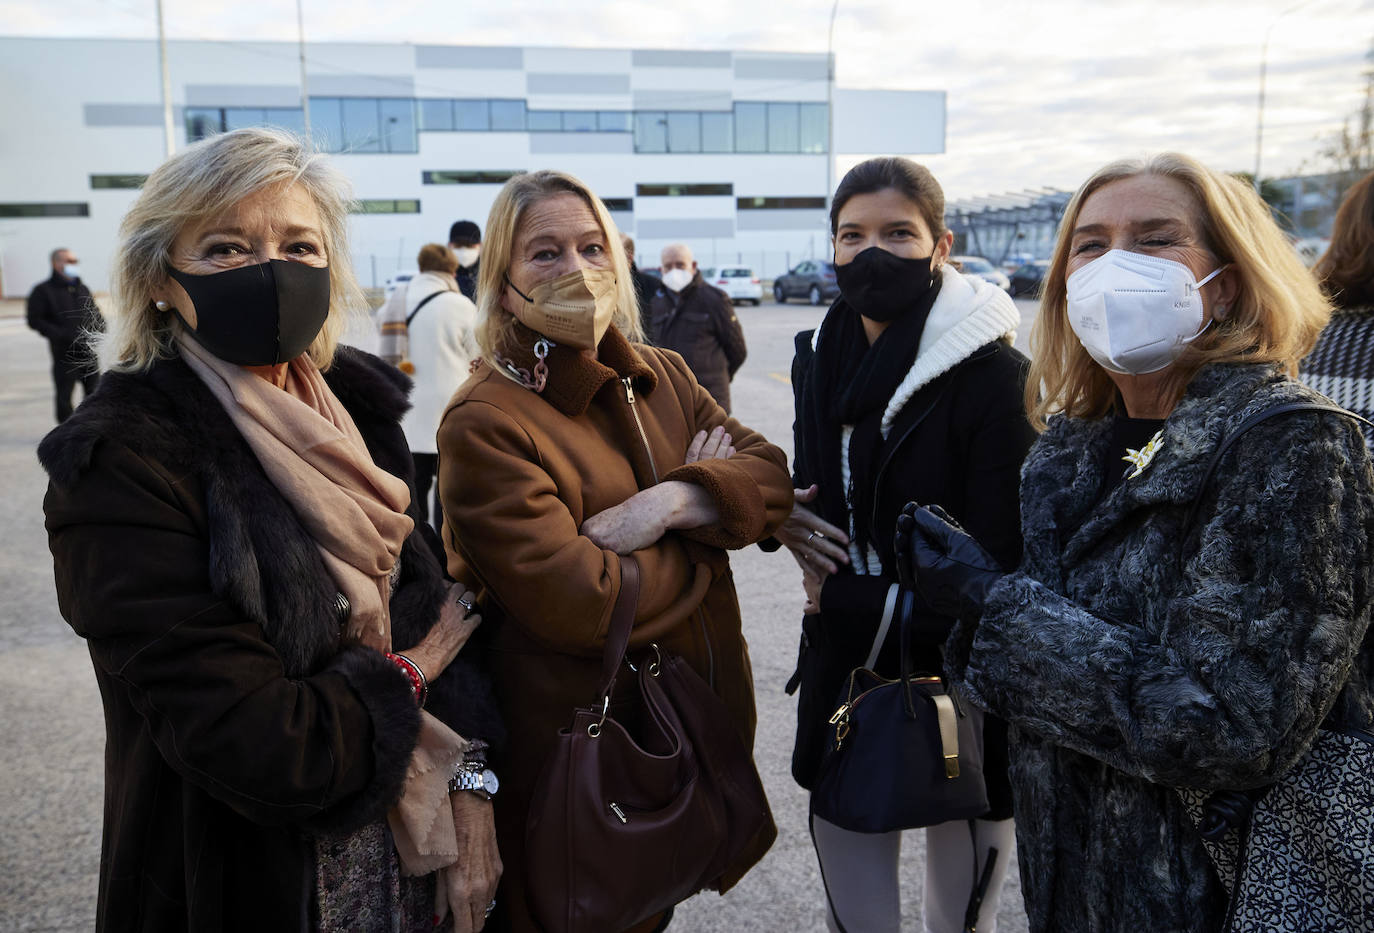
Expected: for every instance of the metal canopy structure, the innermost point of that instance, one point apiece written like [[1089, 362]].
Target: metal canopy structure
[[999, 226]]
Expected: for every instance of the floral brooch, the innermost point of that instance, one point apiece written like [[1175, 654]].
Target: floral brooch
[[1141, 458]]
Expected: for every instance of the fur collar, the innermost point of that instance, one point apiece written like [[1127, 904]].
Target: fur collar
[[574, 377], [968, 314]]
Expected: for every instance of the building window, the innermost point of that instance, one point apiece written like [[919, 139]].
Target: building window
[[773, 204], [615, 121], [619, 204], [469, 177], [651, 131], [717, 132], [694, 190], [202, 122], [545, 121], [386, 206], [472, 115], [751, 127], [508, 115], [579, 121], [438, 114], [815, 128], [54, 209], [684, 131], [784, 128], [100, 182]]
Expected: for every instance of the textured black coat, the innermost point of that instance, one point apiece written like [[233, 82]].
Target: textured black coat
[[236, 724], [1125, 673], [700, 323]]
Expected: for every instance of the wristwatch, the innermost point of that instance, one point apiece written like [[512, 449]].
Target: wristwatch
[[477, 780]]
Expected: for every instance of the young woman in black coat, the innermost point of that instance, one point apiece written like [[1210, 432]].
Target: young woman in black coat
[[909, 390]]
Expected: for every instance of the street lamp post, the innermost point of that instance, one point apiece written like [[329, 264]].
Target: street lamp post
[[830, 108], [168, 127], [1264, 65], [305, 90]]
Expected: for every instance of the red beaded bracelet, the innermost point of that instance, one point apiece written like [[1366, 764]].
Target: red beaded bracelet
[[419, 684]]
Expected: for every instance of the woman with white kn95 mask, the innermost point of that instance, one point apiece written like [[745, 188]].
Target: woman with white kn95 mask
[[1186, 624]]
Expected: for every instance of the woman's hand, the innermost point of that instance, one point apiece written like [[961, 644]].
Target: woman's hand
[[713, 446], [938, 559], [448, 636], [817, 545], [649, 514], [471, 881]]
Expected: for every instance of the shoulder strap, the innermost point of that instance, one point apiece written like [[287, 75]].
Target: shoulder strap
[[423, 301], [622, 620], [1226, 444]]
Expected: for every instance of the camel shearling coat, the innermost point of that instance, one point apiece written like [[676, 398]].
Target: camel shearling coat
[[520, 472]]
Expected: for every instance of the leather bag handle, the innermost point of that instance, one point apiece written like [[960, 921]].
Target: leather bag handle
[[622, 620]]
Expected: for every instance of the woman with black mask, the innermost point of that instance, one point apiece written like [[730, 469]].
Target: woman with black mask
[[909, 390]]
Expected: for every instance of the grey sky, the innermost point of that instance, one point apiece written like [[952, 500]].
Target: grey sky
[[1038, 93]]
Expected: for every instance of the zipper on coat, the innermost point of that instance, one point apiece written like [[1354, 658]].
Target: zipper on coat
[[653, 468], [634, 410]]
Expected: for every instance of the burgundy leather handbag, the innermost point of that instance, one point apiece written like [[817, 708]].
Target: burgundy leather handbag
[[636, 812]]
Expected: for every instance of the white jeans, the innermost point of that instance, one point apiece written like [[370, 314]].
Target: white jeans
[[859, 871]]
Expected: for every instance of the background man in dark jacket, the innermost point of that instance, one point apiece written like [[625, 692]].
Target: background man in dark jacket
[[645, 286], [62, 310], [698, 321], [465, 239]]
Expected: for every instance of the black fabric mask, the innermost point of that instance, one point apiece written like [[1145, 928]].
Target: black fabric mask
[[881, 285], [258, 315]]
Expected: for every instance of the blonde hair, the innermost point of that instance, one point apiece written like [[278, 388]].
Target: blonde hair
[[495, 328], [1278, 312], [436, 257], [195, 184]]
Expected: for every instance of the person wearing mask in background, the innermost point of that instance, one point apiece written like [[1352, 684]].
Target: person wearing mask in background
[[1143, 647], [1341, 366], [645, 285], [909, 389], [465, 239], [440, 347], [698, 321], [63, 311]]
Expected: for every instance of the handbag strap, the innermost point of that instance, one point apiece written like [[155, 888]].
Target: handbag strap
[[622, 620], [423, 301], [883, 626]]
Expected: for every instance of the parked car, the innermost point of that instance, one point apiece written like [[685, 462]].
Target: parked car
[[739, 282], [980, 268], [1026, 280], [398, 281], [813, 280]]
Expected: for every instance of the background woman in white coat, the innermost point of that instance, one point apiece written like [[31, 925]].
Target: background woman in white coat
[[441, 347]]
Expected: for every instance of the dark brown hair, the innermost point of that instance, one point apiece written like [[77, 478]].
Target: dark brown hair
[[910, 178], [1346, 269], [436, 257]]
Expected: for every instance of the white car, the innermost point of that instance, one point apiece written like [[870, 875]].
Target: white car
[[980, 268], [398, 281], [739, 282]]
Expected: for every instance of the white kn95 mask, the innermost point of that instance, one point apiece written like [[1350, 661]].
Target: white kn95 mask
[[1134, 313]]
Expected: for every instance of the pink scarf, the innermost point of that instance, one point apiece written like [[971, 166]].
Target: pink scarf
[[313, 453]]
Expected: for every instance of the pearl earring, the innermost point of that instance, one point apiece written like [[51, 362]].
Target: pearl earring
[[162, 305]]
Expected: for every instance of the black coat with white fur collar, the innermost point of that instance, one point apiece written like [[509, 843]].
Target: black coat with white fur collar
[[237, 724]]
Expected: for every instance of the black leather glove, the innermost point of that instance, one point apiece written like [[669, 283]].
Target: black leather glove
[[941, 562]]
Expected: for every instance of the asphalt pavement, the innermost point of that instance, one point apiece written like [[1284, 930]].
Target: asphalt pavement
[[51, 726]]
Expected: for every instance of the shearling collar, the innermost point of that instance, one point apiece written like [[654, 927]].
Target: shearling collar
[[1065, 469], [968, 314], [574, 377]]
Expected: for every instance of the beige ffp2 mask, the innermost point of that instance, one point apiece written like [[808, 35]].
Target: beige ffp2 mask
[[574, 310]]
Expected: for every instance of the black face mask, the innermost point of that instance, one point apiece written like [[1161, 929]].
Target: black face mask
[[258, 315], [881, 285]]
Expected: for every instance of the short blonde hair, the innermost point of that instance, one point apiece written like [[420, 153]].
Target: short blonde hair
[[1277, 316], [436, 257], [495, 325], [195, 184]]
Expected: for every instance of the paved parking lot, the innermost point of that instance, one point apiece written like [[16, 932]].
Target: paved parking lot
[[50, 716]]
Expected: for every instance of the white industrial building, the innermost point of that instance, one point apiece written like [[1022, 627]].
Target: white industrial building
[[726, 150]]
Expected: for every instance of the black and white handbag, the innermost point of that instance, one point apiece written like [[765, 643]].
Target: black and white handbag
[[1297, 855]]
